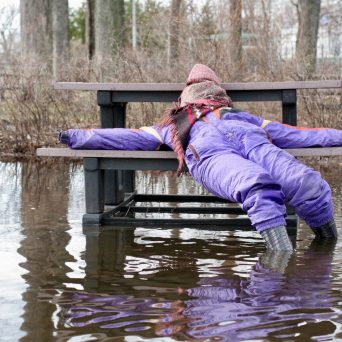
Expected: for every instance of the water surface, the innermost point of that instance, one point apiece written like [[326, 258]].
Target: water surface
[[59, 282]]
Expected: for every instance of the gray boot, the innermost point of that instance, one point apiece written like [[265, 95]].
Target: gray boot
[[277, 239], [326, 231]]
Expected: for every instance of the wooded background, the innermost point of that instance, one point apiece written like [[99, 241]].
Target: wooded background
[[158, 41], [173, 31]]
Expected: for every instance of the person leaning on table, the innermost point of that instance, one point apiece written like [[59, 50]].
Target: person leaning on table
[[235, 155]]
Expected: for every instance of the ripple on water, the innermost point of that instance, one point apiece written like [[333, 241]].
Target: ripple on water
[[230, 297]]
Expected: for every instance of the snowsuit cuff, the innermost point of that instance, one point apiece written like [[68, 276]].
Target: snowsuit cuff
[[271, 223], [320, 221]]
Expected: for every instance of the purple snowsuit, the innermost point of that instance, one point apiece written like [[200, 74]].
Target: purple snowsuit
[[233, 158]]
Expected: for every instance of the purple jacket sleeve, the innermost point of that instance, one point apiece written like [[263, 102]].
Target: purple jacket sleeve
[[286, 136], [114, 139]]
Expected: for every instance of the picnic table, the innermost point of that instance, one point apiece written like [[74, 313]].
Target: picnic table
[[110, 175]]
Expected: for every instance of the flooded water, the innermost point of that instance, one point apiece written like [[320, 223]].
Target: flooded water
[[60, 283]]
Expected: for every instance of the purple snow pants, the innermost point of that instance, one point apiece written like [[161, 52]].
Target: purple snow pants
[[235, 160]]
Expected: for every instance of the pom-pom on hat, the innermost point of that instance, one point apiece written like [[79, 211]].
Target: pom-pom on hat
[[200, 73]]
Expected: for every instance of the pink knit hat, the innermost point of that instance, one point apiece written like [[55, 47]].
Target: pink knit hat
[[200, 73]]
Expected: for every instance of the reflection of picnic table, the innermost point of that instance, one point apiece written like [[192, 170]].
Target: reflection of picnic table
[[110, 177]]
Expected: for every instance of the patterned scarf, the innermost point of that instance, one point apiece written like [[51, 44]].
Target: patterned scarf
[[195, 102]]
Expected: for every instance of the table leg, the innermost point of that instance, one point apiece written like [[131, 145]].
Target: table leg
[[116, 182], [289, 106], [94, 194]]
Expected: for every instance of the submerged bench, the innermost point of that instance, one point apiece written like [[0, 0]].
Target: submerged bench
[[110, 175]]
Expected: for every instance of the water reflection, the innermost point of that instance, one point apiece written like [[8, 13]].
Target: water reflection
[[44, 225], [275, 301], [137, 284], [161, 292]]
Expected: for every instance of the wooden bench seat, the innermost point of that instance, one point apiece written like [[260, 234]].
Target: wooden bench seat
[[160, 156], [167, 87]]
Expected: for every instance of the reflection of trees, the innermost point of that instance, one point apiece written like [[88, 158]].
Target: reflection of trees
[[9, 188], [44, 222]]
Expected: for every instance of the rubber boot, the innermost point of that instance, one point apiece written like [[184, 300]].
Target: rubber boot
[[277, 239], [326, 231]]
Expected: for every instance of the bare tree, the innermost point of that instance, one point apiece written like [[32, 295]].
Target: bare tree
[[90, 32], [307, 34], [60, 12], [35, 27], [119, 22], [235, 41], [104, 28], [173, 47], [108, 27]]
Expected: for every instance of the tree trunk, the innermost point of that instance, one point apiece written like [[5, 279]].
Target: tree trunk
[[307, 34], [108, 27], [104, 28], [90, 28], [35, 28], [235, 41], [60, 16], [173, 52], [119, 22]]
